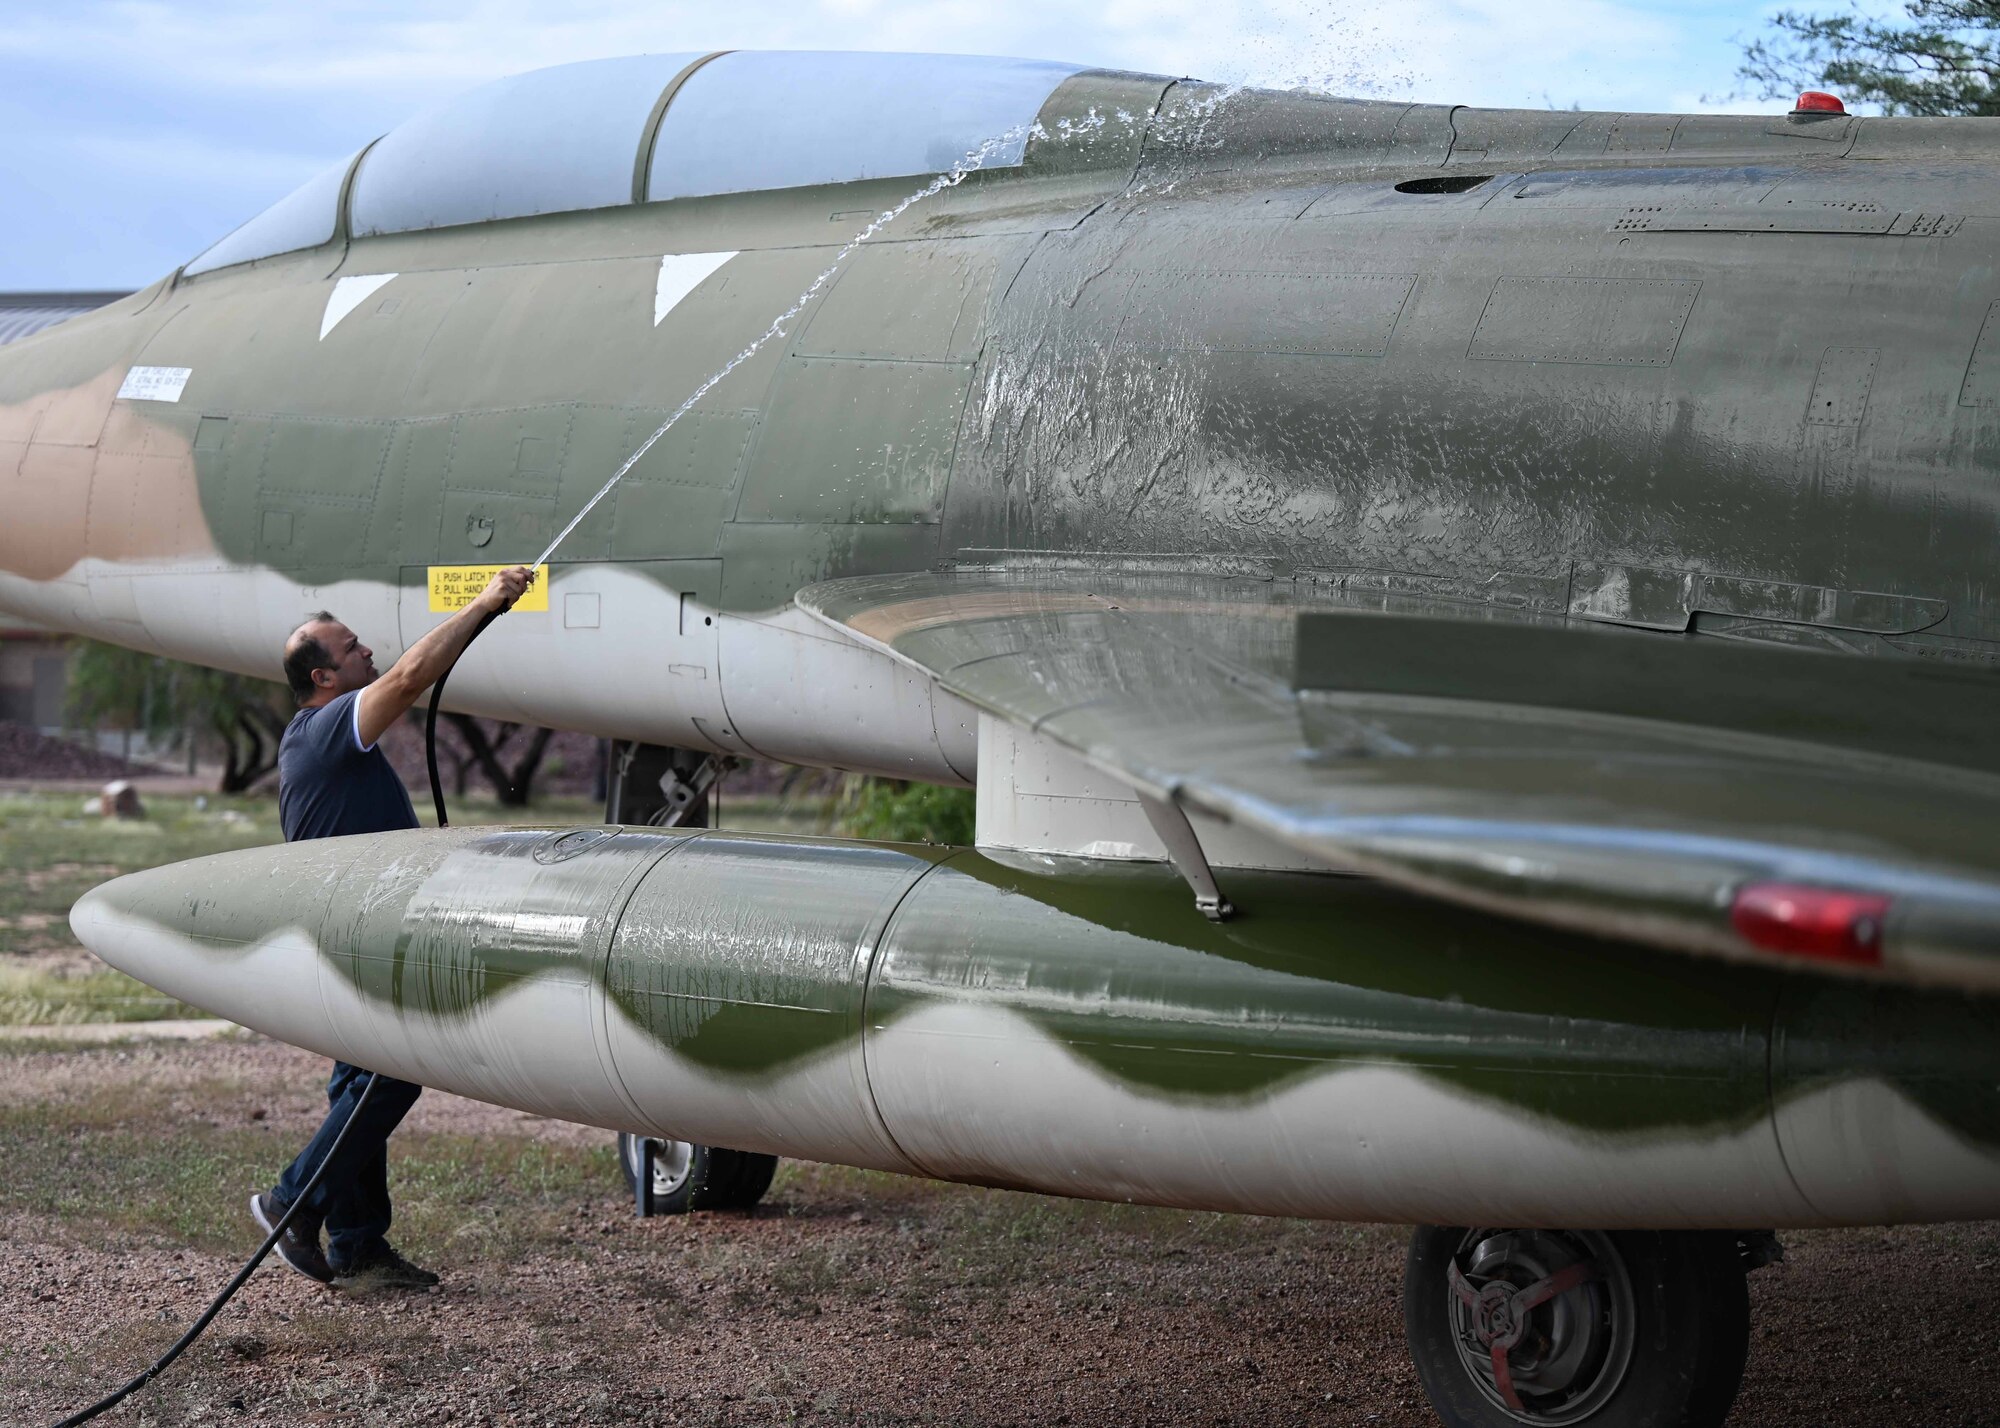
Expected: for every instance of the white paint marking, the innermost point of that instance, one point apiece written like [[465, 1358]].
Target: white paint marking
[[681, 274], [154, 384], [348, 294]]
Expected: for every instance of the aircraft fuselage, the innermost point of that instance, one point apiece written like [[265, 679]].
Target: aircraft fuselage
[[1732, 377]]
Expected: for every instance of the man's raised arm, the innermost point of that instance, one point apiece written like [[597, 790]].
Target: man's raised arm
[[383, 702]]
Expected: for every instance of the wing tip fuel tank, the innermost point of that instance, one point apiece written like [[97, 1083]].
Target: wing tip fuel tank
[[1345, 1051]]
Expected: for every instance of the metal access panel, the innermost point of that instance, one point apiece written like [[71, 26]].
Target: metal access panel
[[1840, 391], [317, 488], [1981, 387], [1609, 321], [921, 302], [1307, 314], [856, 442]]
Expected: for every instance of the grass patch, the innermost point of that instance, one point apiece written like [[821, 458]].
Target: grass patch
[[182, 1185], [51, 853], [497, 1198], [95, 1163], [33, 998]]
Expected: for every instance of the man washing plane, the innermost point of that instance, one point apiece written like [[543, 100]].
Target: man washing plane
[[335, 781], [1535, 566]]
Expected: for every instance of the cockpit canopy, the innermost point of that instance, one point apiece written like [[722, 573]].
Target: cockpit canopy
[[651, 127]]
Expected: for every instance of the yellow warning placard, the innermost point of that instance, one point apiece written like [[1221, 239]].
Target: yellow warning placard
[[453, 587]]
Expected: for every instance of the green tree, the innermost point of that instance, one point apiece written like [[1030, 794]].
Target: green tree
[[165, 700], [896, 811], [1944, 60]]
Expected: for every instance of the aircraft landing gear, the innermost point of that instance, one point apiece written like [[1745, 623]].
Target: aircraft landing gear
[[1625, 1329], [688, 1177], [668, 788]]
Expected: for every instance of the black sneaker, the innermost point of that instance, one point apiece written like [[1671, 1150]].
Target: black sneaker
[[383, 1269], [296, 1246]]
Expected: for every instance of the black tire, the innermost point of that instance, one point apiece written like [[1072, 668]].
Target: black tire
[[1649, 1329], [751, 1181], [695, 1177]]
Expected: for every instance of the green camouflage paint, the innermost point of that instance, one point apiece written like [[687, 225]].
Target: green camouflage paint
[[773, 945]]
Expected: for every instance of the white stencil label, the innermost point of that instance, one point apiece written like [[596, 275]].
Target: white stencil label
[[348, 294], [154, 384], [681, 274]]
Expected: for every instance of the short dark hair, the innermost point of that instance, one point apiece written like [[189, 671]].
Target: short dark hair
[[304, 654]]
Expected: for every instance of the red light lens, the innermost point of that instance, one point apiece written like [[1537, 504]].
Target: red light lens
[[1818, 101], [1823, 923]]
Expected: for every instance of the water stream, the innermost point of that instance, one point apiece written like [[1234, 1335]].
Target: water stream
[[951, 178]]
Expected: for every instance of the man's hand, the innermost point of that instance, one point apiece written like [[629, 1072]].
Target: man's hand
[[383, 702], [504, 589]]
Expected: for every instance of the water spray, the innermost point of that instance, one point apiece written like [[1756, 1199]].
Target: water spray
[[949, 179]]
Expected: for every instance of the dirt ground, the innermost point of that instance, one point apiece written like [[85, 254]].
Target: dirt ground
[[846, 1298]]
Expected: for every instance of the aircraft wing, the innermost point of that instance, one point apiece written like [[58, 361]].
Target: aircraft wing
[[1737, 798]]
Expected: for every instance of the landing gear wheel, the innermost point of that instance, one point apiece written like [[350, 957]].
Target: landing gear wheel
[[1631, 1329], [694, 1177]]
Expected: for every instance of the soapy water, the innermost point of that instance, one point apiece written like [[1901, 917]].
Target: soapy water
[[972, 162]]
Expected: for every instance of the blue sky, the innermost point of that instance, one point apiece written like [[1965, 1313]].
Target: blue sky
[[139, 132]]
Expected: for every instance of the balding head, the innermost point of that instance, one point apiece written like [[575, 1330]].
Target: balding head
[[323, 658]]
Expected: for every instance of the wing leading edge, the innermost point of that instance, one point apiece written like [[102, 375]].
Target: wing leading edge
[[1742, 799]]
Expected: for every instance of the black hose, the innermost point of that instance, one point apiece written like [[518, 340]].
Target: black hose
[[247, 1271], [159, 1365], [431, 720]]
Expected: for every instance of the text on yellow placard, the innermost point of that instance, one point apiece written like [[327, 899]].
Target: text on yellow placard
[[453, 587]]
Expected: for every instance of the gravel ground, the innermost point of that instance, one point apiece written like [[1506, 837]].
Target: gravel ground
[[847, 1298]]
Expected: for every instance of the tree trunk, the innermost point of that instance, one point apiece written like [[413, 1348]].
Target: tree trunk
[[513, 786], [249, 746], [526, 767]]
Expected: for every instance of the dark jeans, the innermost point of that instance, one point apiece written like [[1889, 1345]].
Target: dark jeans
[[352, 1200]]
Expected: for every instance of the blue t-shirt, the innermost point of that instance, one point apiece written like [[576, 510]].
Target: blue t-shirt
[[330, 784]]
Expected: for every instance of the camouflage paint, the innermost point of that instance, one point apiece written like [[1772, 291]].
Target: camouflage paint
[[1718, 376], [916, 1009], [1176, 331]]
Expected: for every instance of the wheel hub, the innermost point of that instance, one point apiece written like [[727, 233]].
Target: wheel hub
[[1543, 1320], [1495, 1314], [673, 1161]]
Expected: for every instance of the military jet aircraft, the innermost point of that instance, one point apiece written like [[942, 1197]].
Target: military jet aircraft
[[1473, 632]]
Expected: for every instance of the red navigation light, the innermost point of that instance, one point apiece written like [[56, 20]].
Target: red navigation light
[[1826, 923], [1818, 101]]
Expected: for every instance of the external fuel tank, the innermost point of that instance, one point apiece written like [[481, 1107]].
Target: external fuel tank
[[1339, 1050]]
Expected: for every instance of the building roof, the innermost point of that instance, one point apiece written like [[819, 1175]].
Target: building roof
[[23, 314]]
